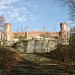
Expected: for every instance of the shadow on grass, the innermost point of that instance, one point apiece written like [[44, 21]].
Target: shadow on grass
[[23, 67], [45, 54]]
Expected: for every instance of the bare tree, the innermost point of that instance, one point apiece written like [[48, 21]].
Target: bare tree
[[2, 20], [71, 6]]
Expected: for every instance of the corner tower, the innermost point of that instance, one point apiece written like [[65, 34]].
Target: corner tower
[[7, 31], [7, 27], [63, 26], [63, 32]]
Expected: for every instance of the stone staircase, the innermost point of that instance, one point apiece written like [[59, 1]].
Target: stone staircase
[[35, 64]]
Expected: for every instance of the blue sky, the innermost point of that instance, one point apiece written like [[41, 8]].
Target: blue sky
[[33, 13]]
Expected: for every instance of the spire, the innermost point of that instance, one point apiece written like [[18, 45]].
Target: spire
[[26, 31], [26, 28], [44, 29], [21, 28]]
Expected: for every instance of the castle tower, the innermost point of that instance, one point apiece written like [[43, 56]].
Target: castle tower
[[7, 27], [63, 32], [63, 26], [7, 31]]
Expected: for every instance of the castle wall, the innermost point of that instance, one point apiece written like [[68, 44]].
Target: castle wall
[[36, 46], [12, 35]]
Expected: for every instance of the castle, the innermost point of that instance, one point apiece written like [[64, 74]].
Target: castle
[[10, 36]]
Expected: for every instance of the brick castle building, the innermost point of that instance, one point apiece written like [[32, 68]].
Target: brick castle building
[[11, 36]]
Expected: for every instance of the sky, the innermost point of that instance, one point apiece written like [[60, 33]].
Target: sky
[[33, 13]]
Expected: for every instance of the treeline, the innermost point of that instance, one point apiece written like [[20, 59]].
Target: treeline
[[64, 53]]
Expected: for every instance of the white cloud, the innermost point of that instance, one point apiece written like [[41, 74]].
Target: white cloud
[[32, 17], [21, 19], [14, 13], [2, 12], [3, 7], [27, 4], [7, 2], [8, 20]]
